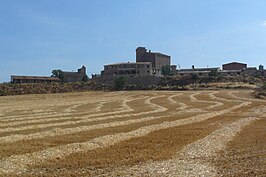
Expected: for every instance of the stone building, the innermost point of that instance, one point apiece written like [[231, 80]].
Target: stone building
[[33, 79], [250, 71], [78, 76], [128, 69], [158, 60], [261, 71], [234, 66], [173, 70]]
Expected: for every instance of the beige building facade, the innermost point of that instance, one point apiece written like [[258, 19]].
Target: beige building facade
[[128, 69]]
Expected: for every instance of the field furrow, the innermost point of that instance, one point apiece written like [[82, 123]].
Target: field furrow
[[194, 159], [14, 164], [138, 133]]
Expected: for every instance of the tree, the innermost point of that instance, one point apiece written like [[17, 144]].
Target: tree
[[264, 86], [166, 71], [213, 73], [194, 77], [58, 73], [120, 83], [85, 78]]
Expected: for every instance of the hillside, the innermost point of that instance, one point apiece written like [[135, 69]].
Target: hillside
[[136, 83], [44, 88]]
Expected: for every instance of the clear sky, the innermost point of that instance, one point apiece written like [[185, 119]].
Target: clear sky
[[37, 36]]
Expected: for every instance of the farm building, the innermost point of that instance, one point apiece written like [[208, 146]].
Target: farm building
[[197, 71], [250, 71], [234, 66], [33, 79]]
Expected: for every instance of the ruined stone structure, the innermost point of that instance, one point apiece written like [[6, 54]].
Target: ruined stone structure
[[173, 69], [158, 60], [261, 71], [33, 79], [128, 69], [74, 76]]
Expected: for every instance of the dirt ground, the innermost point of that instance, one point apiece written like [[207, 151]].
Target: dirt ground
[[139, 133]]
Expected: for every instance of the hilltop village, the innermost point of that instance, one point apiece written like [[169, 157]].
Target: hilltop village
[[149, 65]]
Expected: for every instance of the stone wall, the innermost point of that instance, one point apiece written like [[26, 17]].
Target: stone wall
[[142, 81]]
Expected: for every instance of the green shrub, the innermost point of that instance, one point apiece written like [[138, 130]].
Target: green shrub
[[213, 73], [120, 83], [2, 93], [166, 71], [264, 87], [85, 78]]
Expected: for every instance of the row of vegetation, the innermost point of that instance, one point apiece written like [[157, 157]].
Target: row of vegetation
[[45, 88], [194, 81], [261, 91], [121, 83]]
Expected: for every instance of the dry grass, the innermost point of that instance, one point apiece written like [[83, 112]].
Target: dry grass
[[96, 133]]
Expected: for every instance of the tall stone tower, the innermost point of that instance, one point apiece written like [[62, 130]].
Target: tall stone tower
[[82, 70], [140, 54]]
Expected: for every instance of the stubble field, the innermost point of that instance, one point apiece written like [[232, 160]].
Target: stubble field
[[141, 133]]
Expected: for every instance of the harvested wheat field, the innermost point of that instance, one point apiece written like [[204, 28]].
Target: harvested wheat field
[[140, 133]]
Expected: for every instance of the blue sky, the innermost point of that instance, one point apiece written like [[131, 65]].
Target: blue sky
[[39, 36]]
